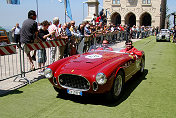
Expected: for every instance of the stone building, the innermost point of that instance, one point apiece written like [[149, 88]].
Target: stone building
[[92, 9], [132, 12]]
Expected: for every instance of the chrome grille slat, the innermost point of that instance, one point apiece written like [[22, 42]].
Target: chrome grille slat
[[74, 81]]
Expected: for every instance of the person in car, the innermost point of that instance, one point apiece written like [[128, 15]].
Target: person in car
[[105, 46], [131, 49]]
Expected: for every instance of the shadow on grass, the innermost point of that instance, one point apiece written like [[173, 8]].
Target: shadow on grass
[[38, 78], [163, 41], [9, 92], [130, 86], [14, 89]]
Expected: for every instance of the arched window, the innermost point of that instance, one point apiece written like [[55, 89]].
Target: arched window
[[130, 19], [146, 1], [115, 1], [146, 19], [116, 18]]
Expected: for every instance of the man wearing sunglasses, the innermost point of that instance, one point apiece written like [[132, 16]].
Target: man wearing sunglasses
[[105, 46]]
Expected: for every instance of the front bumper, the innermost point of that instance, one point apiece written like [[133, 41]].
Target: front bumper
[[163, 38], [81, 84]]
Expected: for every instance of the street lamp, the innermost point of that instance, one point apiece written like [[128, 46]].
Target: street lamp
[[37, 11], [174, 18], [83, 9], [100, 7], [107, 12]]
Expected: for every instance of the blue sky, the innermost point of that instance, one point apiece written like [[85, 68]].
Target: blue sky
[[11, 14], [48, 9], [172, 8]]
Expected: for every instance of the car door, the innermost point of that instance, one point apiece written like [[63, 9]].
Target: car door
[[129, 68]]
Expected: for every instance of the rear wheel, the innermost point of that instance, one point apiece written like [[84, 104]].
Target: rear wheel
[[117, 87], [142, 65]]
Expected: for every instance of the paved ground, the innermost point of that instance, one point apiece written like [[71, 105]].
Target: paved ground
[[17, 82]]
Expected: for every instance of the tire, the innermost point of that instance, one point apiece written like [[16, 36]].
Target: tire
[[142, 64], [117, 87]]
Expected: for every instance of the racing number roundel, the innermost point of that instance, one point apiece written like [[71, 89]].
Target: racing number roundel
[[93, 56]]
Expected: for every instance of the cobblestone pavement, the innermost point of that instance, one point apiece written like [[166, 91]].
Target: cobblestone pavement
[[18, 82]]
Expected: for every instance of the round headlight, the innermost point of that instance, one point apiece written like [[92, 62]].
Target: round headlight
[[101, 78], [48, 73]]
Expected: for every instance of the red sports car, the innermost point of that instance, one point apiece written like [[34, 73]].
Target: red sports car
[[95, 72]]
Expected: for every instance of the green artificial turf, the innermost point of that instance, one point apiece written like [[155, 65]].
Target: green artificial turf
[[151, 95]]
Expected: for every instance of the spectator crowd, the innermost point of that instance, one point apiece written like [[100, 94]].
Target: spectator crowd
[[33, 32]]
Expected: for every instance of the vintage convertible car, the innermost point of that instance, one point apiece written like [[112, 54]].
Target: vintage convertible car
[[99, 71], [164, 35]]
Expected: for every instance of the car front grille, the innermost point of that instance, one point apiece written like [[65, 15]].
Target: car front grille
[[74, 81], [163, 36]]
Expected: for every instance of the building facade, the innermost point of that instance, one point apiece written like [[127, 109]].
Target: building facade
[[92, 9], [133, 12]]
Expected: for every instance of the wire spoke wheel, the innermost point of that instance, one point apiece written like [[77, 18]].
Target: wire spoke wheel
[[117, 87], [118, 83], [142, 65]]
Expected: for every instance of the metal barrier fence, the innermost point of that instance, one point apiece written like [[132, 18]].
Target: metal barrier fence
[[14, 62], [9, 62]]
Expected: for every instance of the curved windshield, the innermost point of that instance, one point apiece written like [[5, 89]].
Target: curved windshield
[[164, 31], [105, 47]]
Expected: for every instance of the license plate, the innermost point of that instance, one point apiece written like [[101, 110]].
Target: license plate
[[74, 92]]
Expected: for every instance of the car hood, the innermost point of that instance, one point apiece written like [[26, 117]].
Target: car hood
[[90, 60]]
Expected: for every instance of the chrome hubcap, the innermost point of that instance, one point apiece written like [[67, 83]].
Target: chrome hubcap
[[118, 85], [142, 66]]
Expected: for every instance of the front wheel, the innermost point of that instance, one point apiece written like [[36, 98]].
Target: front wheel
[[117, 87]]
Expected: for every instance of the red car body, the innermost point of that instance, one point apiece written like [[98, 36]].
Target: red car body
[[78, 73]]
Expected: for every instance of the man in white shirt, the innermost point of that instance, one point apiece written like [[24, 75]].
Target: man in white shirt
[[56, 36], [16, 30]]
